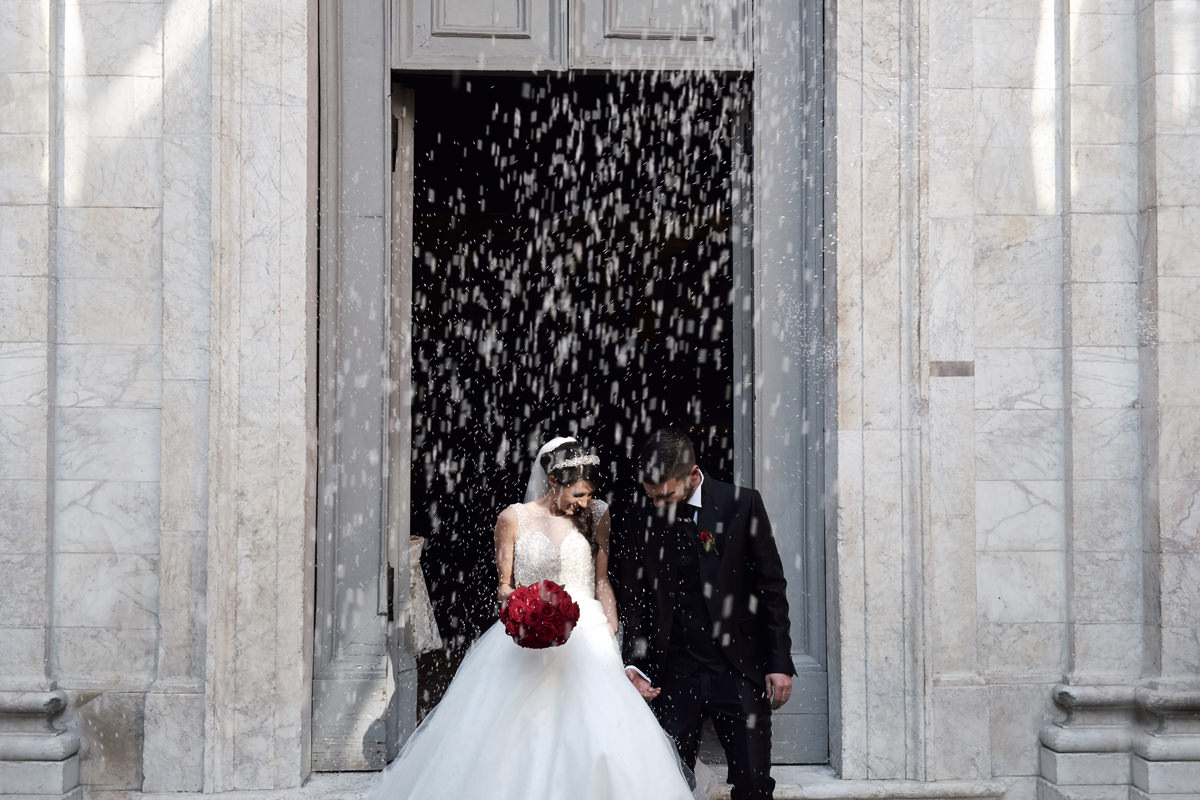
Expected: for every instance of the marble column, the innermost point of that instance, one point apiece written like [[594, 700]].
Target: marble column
[[173, 753], [261, 486], [878, 555]]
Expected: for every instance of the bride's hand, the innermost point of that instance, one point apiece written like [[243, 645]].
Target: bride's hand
[[643, 686]]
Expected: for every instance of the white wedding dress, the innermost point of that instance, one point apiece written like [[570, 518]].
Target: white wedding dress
[[563, 722]]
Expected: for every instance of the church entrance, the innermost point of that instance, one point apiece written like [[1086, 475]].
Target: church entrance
[[577, 249], [584, 224]]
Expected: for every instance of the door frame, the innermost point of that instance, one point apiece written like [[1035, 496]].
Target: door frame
[[791, 326]]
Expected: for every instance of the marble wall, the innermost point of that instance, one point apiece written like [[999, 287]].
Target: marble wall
[[1011, 393], [1016, 217]]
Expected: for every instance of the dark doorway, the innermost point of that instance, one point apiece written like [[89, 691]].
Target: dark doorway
[[573, 274]]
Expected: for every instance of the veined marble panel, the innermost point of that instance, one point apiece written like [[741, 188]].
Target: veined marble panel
[[1103, 48], [951, 170], [1095, 653], [24, 240], [187, 69], [950, 582], [110, 243], [1009, 9], [1021, 587], [959, 744], [1178, 237], [24, 36], [24, 310], [1179, 509], [1104, 314], [1107, 514], [24, 168], [108, 444], [1179, 365], [1181, 650], [186, 262], [23, 373], [111, 733], [123, 106], [98, 654], [1023, 648], [106, 516], [951, 58], [1016, 53], [109, 312], [1106, 587], [1177, 164], [25, 102], [23, 656], [1020, 515], [1179, 316], [952, 290], [110, 375], [1019, 118], [23, 509], [1023, 378], [1179, 442], [1176, 100], [1180, 589], [1105, 443], [112, 172], [1014, 316], [1015, 180], [23, 601], [1104, 179], [884, 574], [850, 610], [1017, 713], [185, 437], [23, 432], [106, 590], [182, 589], [1020, 445], [1104, 248], [1100, 114], [1018, 249], [113, 38], [1176, 53]]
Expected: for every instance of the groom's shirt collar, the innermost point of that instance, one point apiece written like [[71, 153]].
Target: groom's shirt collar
[[695, 499]]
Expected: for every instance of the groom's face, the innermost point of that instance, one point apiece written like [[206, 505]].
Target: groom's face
[[673, 490]]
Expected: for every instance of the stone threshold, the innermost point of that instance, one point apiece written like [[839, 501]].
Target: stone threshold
[[792, 783]]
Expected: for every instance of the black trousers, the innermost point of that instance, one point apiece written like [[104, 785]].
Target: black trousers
[[741, 716]]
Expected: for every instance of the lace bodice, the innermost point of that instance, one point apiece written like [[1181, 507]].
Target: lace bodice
[[535, 557]]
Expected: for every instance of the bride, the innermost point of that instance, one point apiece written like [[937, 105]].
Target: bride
[[562, 722]]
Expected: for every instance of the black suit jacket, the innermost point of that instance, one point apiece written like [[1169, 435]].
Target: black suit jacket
[[749, 606]]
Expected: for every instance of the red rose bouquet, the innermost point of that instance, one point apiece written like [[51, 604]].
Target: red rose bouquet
[[541, 615]]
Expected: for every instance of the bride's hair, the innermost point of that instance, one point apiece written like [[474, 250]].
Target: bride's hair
[[568, 463]]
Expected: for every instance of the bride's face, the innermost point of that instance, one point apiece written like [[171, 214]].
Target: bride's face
[[575, 497]]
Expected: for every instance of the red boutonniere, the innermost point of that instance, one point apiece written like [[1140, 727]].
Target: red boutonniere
[[708, 542]]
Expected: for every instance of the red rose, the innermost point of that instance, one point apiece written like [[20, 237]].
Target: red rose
[[539, 616]]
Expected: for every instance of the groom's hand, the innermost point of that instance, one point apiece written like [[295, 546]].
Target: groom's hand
[[779, 688], [643, 686]]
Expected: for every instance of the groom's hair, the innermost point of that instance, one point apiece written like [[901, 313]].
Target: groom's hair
[[668, 453]]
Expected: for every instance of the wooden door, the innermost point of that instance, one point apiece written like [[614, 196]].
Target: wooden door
[[661, 34], [523, 35]]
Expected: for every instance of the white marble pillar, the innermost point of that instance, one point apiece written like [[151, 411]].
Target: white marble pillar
[[258, 676], [879, 610], [1100, 225], [27, 199], [1169, 145], [173, 752]]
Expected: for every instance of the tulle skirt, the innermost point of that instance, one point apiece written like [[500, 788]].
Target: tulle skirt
[[563, 722]]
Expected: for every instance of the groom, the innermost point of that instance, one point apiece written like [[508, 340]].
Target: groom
[[706, 618]]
